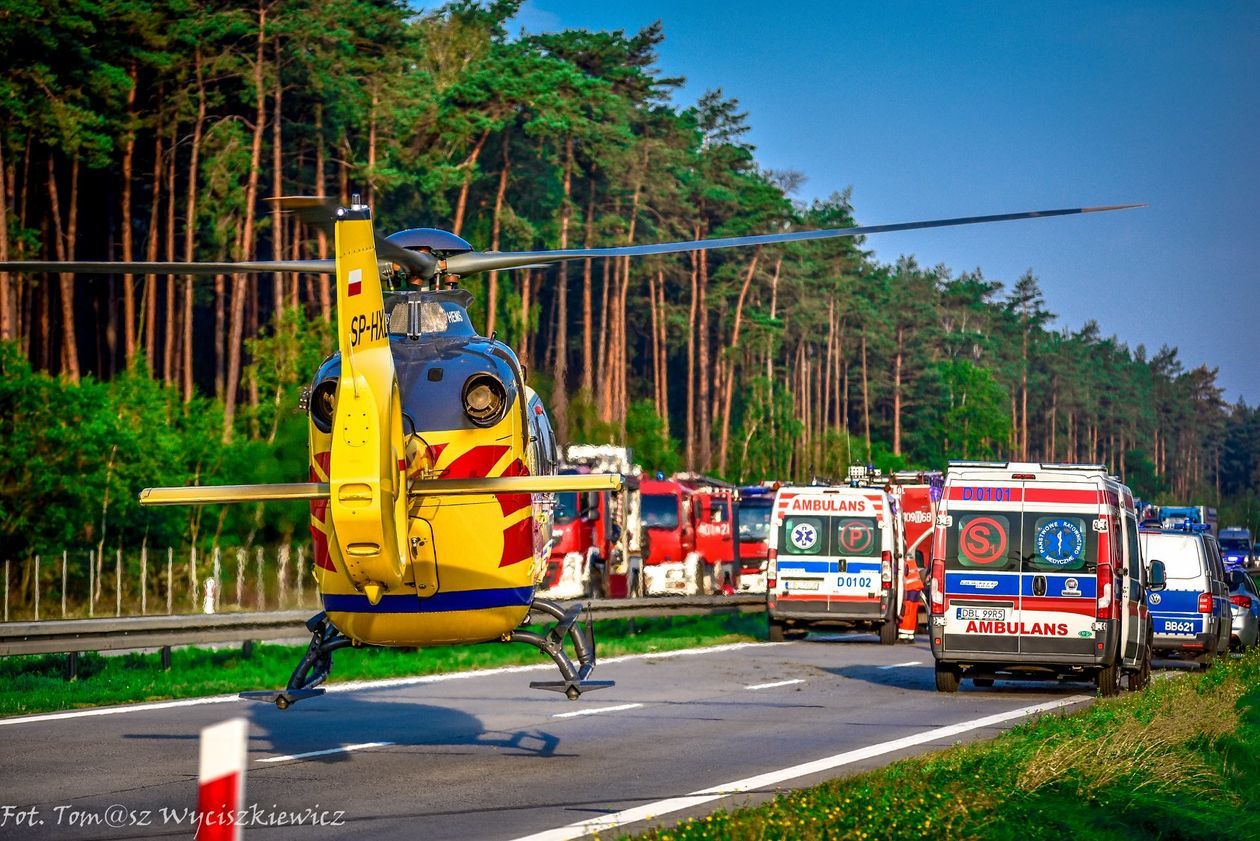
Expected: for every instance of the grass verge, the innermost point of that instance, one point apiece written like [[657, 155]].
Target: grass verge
[[1180, 760], [35, 684]]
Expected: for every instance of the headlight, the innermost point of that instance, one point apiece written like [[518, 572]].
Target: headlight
[[485, 399], [323, 404]]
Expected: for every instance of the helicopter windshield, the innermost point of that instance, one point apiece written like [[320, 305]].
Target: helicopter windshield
[[428, 314]]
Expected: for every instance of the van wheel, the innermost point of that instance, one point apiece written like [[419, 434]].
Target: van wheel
[[947, 678], [982, 682], [1140, 678], [1108, 681], [888, 631], [776, 630]]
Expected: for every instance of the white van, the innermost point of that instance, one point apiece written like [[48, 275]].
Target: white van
[[1192, 616], [834, 561]]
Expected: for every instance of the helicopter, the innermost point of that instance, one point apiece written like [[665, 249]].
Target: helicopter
[[432, 463]]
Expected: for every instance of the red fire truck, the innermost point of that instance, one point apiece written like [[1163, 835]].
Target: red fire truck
[[691, 528], [597, 537]]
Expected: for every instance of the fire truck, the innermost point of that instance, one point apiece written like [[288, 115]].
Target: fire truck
[[597, 537], [756, 505], [691, 528]]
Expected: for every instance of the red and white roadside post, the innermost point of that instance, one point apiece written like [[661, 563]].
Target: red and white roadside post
[[221, 780]]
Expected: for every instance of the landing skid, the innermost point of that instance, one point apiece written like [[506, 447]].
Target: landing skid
[[313, 669], [551, 643], [316, 664]]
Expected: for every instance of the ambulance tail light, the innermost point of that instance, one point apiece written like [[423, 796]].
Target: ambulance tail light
[[772, 568], [1105, 606], [1205, 603], [938, 585], [886, 570]]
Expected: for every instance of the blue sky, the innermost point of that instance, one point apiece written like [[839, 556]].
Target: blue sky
[[930, 110]]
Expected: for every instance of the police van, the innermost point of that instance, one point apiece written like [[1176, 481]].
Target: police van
[[1192, 616], [834, 561], [1037, 573]]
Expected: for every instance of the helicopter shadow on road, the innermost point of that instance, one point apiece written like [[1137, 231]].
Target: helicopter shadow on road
[[334, 721]]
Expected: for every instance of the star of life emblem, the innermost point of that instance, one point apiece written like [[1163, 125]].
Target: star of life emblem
[[804, 537]]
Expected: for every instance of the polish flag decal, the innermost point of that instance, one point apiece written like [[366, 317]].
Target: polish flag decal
[[354, 283]]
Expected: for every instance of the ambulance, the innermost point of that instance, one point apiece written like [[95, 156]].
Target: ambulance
[[1037, 574], [834, 561]]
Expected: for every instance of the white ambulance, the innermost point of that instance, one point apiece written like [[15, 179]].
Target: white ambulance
[[1037, 573], [834, 561]]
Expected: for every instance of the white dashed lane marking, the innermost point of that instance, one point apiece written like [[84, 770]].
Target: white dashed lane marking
[[617, 708], [775, 684], [293, 757]]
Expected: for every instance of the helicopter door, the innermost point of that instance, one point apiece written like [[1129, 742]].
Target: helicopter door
[[424, 563]]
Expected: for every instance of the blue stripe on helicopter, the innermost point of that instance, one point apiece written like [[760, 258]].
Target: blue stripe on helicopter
[[437, 603]]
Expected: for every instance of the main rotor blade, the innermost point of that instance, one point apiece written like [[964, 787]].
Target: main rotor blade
[[215, 494], [88, 267], [480, 261]]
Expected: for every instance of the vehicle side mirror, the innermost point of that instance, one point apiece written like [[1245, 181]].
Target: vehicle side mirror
[[1158, 577]]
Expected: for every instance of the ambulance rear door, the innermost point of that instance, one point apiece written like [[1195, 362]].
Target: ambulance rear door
[[983, 540], [1058, 581]]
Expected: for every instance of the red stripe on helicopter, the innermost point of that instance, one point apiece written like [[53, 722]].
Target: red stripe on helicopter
[[319, 514], [476, 463], [511, 503], [518, 543]]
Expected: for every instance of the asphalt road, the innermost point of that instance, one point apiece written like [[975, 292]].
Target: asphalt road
[[485, 757]]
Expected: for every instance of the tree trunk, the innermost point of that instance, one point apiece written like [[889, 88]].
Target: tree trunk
[[168, 283], [691, 362], [588, 330], [129, 280], [277, 188], [470, 165], [7, 331], [730, 362], [496, 229], [702, 355], [246, 249], [190, 229], [64, 239], [560, 397], [325, 288], [663, 359], [150, 325], [866, 398], [897, 363]]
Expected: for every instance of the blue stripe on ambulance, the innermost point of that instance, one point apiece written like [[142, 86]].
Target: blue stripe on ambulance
[[982, 583], [828, 566]]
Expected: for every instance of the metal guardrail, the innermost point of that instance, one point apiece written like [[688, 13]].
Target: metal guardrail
[[64, 636]]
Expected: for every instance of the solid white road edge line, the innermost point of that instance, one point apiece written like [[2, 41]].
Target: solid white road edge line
[[902, 665], [756, 686], [596, 710], [773, 778], [383, 683], [329, 752]]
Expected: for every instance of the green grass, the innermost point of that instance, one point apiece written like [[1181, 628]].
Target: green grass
[[1180, 760], [35, 684]]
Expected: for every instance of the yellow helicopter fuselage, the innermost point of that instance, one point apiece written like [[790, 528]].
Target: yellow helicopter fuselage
[[474, 560]]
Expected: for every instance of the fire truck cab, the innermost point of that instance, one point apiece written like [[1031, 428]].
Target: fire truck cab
[[835, 555], [1037, 574], [597, 536], [756, 509], [691, 531]]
